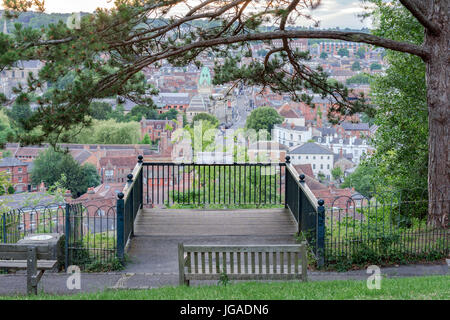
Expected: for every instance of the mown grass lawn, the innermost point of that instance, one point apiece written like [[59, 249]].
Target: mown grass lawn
[[431, 287]]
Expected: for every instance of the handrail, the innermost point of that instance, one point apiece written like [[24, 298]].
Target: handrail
[[129, 186], [306, 190]]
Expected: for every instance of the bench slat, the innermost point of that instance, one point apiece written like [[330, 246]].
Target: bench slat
[[236, 276], [251, 248], [22, 264], [280, 268]]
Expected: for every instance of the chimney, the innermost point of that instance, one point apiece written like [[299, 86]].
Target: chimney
[[42, 187], [90, 192], [164, 141]]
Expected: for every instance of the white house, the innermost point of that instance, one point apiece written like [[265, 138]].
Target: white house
[[291, 135], [319, 157], [353, 145]]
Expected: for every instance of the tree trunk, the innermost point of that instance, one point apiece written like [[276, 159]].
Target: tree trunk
[[437, 74]]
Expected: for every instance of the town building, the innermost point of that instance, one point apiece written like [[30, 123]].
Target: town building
[[319, 157], [291, 135], [18, 173]]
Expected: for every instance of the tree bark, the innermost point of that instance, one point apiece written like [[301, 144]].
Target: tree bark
[[437, 74]]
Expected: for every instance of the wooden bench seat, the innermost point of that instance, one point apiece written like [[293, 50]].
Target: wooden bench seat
[[22, 264], [37, 261], [270, 262]]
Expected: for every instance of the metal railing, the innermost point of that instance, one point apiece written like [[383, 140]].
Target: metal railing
[[308, 212], [244, 185], [171, 184]]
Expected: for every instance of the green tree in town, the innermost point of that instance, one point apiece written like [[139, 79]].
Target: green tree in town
[[6, 133], [323, 55], [361, 53], [146, 140], [363, 179], [20, 112], [206, 117], [360, 78], [100, 110], [375, 66], [356, 66], [337, 173], [263, 118], [51, 165], [343, 52]]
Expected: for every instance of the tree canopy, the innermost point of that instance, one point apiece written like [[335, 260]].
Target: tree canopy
[[51, 165], [135, 34], [263, 118]]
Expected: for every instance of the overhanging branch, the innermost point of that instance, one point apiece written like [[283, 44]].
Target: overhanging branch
[[418, 12]]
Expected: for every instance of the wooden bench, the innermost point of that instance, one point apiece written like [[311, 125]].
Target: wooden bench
[[270, 262], [35, 259]]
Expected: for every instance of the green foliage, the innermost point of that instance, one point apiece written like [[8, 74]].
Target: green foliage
[[11, 190], [337, 173], [6, 132], [206, 117], [361, 53], [375, 66], [363, 179], [100, 110], [263, 118], [356, 66], [90, 174], [323, 55], [146, 140], [53, 167], [360, 78], [343, 52], [4, 184], [106, 132], [20, 112], [401, 141]]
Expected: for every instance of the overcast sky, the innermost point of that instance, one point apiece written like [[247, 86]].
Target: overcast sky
[[332, 13]]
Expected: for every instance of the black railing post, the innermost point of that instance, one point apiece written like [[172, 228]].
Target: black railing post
[[132, 205], [120, 227], [141, 182], [320, 233], [4, 227], [67, 236], [288, 161]]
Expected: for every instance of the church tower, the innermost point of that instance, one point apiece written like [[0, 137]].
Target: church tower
[[205, 82]]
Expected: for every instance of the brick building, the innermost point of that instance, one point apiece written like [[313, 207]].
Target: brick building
[[18, 173]]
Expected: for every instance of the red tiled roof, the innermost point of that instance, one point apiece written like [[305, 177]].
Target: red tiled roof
[[130, 161], [306, 169]]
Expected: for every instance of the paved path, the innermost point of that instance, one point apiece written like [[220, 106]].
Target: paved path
[[158, 232]]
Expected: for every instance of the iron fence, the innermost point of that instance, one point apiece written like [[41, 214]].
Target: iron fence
[[200, 185], [19, 223], [90, 231], [91, 236], [384, 228]]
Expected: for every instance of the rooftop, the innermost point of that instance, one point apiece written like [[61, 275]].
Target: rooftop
[[311, 148]]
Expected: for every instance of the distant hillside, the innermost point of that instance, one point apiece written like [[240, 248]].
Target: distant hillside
[[35, 20]]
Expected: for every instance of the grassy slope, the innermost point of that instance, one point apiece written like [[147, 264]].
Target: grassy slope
[[432, 287]]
